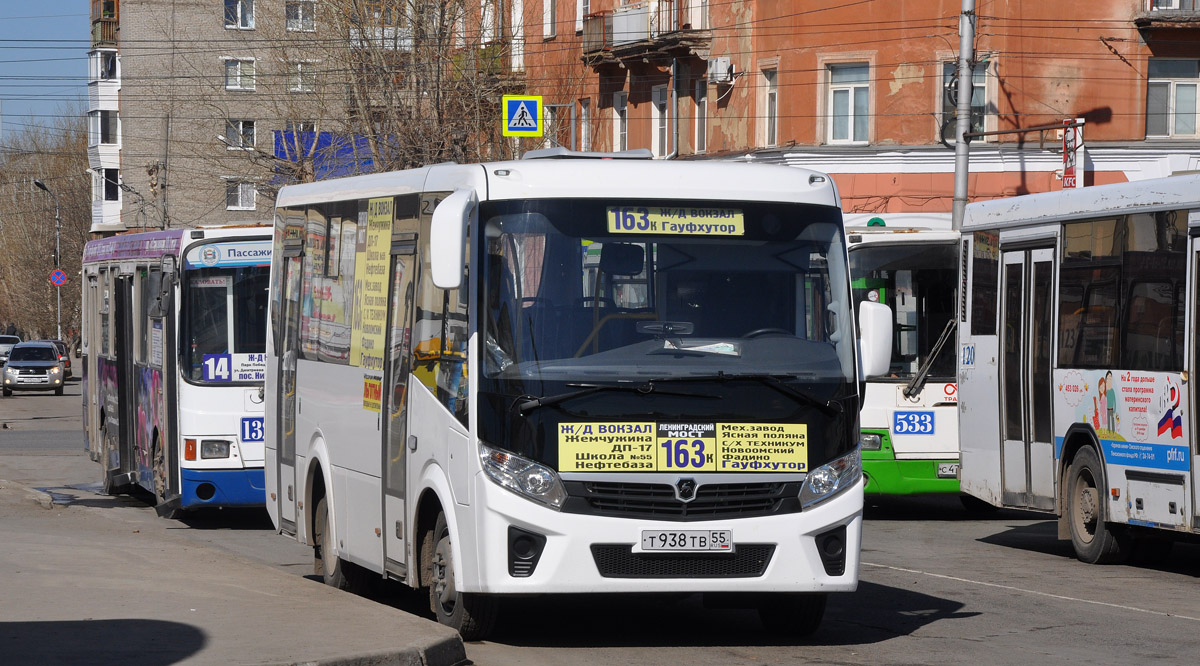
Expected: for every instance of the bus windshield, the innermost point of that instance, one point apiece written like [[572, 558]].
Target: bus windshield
[[917, 281], [569, 300], [225, 323]]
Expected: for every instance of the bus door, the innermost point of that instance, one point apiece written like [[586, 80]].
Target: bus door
[[89, 351], [289, 346], [1027, 442], [395, 435], [126, 376]]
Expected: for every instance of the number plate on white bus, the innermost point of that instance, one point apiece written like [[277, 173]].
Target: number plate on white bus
[[687, 540], [947, 470]]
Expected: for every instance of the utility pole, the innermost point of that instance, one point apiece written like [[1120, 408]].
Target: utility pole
[[57, 252], [966, 57]]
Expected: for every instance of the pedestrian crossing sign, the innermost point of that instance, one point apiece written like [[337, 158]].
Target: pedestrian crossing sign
[[522, 115]]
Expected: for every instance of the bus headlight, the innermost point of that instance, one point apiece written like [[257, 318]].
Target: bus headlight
[[524, 477], [830, 479], [214, 448], [869, 442]]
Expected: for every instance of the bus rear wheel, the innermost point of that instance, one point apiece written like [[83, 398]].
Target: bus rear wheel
[[334, 571], [472, 615], [1095, 541], [796, 615]]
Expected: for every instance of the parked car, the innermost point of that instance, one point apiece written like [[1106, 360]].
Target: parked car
[[64, 355], [6, 345], [33, 366]]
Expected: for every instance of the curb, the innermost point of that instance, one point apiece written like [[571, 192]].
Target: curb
[[32, 494], [446, 652]]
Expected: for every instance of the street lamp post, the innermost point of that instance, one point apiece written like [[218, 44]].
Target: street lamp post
[[57, 251]]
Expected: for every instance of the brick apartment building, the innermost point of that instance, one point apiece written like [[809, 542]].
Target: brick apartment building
[[857, 89]]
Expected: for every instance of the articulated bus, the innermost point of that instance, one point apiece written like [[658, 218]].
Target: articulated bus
[[909, 437], [570, 375], [1078, 336], [174, 343]]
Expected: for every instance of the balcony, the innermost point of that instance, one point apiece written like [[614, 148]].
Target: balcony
[[652, 29], [1168, 15], [105, 32]]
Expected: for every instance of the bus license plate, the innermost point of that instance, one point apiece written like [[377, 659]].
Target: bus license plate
[[947, 470], [687, 540]]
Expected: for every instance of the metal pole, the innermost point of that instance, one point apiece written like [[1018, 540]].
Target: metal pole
[[966, 54], [57, 250], [57, 263]]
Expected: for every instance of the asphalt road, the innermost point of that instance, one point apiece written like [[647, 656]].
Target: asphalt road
[[939, 585]]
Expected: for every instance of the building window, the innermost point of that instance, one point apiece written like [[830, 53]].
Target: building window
[[491, 21], [621, 121], [658, 116], [979, 104], [849, 103], [301, 15], [549, 18], [701, 100], [771, 106], [1171, 97], [240, 134], [585, 124], [102, 128], [103, 65], [239, 74], [239, 14], [239, 195], [301, 76], [1186, 5], [696, 14], [106, 184]]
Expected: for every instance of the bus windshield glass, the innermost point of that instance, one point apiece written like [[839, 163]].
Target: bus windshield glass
[[917, 281], [225, 324], [744, 288]]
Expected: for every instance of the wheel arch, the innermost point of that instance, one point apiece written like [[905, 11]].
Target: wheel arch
[[429, 505]]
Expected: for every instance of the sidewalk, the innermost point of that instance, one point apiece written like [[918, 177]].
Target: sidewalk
[[81, 586]]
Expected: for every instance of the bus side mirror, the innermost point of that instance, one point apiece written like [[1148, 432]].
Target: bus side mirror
[[448, 238], [875, 338]]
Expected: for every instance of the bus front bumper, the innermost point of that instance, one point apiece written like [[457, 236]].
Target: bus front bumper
[[225, 488], [781, 552]]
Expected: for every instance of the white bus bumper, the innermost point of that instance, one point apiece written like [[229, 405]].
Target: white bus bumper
[[567, 564]]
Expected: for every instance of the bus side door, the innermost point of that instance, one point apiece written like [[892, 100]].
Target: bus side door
[[286, 432], [399, 367], [1027, 320]]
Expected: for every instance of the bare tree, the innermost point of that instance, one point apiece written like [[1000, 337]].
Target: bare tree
[[57, 156]]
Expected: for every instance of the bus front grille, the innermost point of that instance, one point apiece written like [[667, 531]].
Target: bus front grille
[[658, 501], [619, 561]]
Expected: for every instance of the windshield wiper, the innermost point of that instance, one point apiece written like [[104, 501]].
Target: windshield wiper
[[915, 384], [829, 408], [587, 389]]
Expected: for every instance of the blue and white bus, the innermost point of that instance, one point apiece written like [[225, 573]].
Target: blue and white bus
[[174, 343]]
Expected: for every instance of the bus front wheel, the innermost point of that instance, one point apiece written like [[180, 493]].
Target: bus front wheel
[[472, 615], [796, 615], [1095, 541]]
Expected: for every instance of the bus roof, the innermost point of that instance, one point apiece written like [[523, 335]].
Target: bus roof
[[584, 178], [155, 244], [1174, 193]]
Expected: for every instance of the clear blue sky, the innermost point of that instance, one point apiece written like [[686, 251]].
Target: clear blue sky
[[43, 61]]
